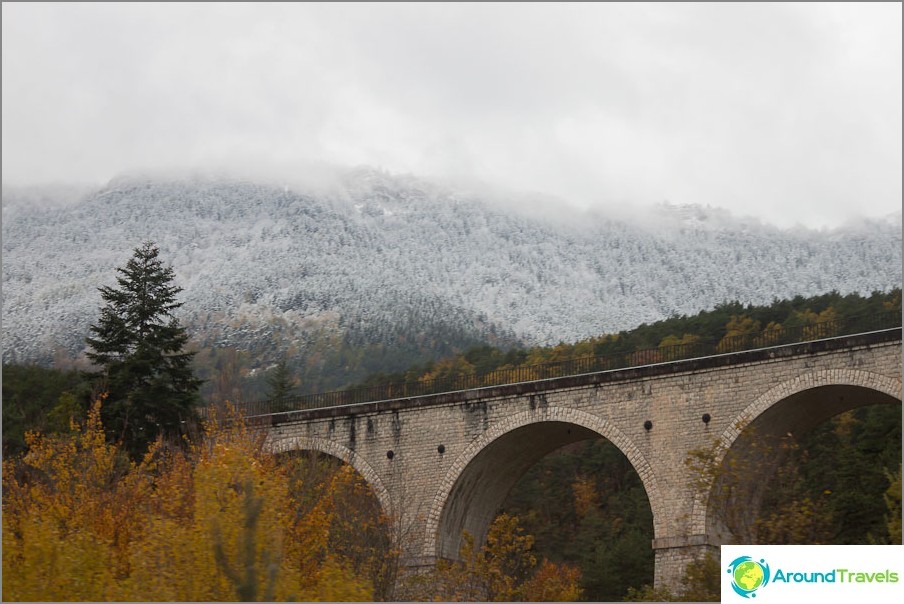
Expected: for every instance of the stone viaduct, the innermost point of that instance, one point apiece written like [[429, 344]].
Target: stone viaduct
[[444, 463]]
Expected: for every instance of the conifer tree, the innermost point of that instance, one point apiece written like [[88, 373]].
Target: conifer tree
[[281, 387], [139, 346]]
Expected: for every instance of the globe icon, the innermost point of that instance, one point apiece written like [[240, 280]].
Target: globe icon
[[748, 575]]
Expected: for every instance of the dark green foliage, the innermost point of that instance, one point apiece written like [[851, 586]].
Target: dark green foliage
[[893, 505], [281, 386], [845, 467], [40, 399], [711, 325], [139, 346], [700, 583], [609, 540]]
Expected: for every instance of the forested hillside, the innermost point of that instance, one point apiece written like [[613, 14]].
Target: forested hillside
[[376, 272]]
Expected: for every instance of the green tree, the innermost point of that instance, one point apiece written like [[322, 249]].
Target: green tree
[[893, 502], [140, 347], [34, 397], [700, 583], [281, 386]]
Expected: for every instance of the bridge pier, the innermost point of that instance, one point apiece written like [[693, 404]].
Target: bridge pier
[[674, 554]]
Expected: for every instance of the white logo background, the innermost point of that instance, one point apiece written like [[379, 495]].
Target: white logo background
[[819, 559]]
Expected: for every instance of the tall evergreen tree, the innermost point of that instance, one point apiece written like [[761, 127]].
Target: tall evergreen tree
[[281, 387], [139, 346]]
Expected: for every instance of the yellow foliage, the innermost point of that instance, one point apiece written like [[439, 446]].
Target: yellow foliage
[[492, 379], [585, 495], [670, 354], [816, 325], [216, 523], [738, 332], [773, 333], [78, 500], [553, 583], [503, 570], [801, 521], [40, 563], [449, 369]]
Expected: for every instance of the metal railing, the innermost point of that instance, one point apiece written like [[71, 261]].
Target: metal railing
[[578, 366]]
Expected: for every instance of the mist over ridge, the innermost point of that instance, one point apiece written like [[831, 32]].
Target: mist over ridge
[[272, 264]]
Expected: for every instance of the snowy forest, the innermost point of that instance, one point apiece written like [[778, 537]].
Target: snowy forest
[[374, 261]]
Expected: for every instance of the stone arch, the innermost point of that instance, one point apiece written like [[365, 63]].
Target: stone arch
[[833, 384], [561, 419], [322, 445]]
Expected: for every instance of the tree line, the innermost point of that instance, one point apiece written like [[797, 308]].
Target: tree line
[[728, 327]]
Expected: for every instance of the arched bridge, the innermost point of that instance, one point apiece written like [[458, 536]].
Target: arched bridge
[[443, 463]]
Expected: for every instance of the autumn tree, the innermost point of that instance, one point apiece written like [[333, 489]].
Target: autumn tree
[[830, 487], [726, 480], [358, 530], [814, 325], [585, 505], [699, 583], [505, 569], [739, 332], [140, 348], [71, 507], [669, 346], [214, 521]]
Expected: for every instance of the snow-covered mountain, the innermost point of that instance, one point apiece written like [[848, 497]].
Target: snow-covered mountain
[[376, 258]]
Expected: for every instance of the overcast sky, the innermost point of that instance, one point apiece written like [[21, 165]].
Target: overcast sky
[[788, 112]]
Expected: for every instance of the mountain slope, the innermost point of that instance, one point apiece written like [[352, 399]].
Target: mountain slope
[[381, 260]]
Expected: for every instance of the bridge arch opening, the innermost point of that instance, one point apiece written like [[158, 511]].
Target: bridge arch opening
[[763, 470], [483, 476], [358, 530], [322, 447]]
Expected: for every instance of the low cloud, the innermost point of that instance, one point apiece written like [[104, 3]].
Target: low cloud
[[789, 112]]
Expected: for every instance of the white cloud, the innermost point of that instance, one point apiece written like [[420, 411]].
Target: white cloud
[[789, 112]]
